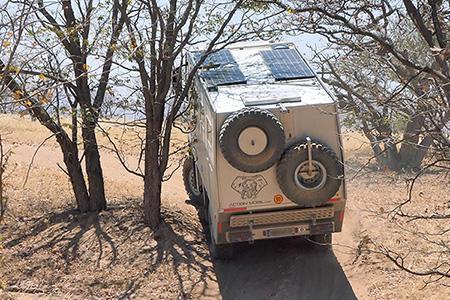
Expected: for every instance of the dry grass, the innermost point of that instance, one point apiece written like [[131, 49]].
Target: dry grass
[[21, 130], [373, 195], [373, 199]]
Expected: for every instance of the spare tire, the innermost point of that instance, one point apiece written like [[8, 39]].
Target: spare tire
[[309, 189], [252, 140]]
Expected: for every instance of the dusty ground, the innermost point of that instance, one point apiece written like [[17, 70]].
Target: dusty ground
[[49, 251]]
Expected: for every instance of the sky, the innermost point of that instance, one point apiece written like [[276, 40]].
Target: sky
[[304, 41]]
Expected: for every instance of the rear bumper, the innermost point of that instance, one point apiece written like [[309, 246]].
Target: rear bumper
[[282, 216], [269, 224], [262, 232]]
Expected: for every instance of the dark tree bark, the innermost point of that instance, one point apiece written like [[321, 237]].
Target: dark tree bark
[[93, 167], [153, 173], [71, 160], [412, 151], [4, 156], [152, 192]]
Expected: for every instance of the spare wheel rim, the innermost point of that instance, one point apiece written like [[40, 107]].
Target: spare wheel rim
[[310, 182], [252, 140]]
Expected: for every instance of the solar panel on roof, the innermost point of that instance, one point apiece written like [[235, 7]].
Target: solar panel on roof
[[285, 63], [223, 75], [220, 68], [220, 57]]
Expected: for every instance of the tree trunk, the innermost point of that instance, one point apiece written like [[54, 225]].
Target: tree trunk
[[153, 176], [97, 199], [412, 150], [152, 199], [391, 157], [152, 189], [77, 180]]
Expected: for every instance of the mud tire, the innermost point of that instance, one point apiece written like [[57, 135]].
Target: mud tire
[[286, 172], [236, 123], [188, 180]]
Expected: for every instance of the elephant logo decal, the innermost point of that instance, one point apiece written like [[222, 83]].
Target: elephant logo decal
[[249, 186]]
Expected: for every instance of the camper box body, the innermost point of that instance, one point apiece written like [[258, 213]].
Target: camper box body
[[246, 206]]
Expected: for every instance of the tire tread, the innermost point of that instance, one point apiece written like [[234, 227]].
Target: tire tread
[[230, 121], [289, 156]]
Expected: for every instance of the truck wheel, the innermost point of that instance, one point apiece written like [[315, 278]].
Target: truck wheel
[[309, 189], [190, 181], [252, 140], [218, 251], [322, 241]]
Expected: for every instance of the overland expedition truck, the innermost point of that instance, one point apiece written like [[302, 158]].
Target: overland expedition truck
[[266, 153]]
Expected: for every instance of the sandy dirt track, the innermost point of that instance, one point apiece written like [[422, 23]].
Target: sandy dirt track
[[59, 254], [273, 269], [284, 269]]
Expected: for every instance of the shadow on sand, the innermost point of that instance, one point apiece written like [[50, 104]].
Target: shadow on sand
[[287, 268], [126, 255], [282, 269]]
